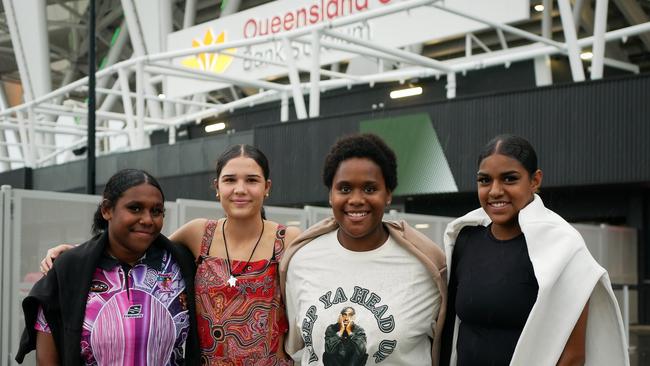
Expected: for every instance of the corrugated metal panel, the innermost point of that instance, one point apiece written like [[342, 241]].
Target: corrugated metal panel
[[589, 133]]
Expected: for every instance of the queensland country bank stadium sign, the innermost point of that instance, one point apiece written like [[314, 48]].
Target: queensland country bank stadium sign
[[400, 29]]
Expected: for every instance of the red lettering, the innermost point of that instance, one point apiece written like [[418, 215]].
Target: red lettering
[[276, 22], [263, 27], [288, 21], [250, 28], [361, 4], [301, 13], [313, 14], [384, 1], [332, 9]]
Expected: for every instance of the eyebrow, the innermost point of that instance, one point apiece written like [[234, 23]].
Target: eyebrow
[[234, 175], [502, 174]]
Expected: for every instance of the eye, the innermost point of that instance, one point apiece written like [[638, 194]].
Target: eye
[[345, 189], [369, 189], [158, 211], [482, 180], [134, 208], [227, 179], [510, 178]]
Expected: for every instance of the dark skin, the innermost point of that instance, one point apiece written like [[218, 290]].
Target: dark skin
[[505, 187], [46, 353]]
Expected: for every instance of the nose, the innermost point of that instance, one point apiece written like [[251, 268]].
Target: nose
[[146, 218], [239, 187], [356, 197], [496, 189]]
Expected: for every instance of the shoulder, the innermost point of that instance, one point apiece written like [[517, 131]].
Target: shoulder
[[291, 233], [70, 258], [190, 234]]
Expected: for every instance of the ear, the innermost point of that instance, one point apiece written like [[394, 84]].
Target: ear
[[215, 183], [329, 196], [107, 212], [267, 189], [536, 180], [389, 199]]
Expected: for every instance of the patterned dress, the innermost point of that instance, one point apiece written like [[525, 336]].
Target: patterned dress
[[134, 315], [239, 325]]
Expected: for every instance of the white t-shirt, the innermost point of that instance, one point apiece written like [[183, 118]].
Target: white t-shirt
[[392, 295]]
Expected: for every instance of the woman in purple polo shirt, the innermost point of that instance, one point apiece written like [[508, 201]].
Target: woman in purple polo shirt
[[125, 297]]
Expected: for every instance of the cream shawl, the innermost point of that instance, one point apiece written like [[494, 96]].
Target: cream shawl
[[568, 277]]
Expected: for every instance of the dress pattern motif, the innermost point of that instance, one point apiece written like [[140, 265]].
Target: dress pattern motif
[[239, 325]]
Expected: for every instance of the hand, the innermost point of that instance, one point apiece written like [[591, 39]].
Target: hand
[[46, 263]]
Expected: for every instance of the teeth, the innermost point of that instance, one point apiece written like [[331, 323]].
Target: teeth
[[497, 204], [357, 214]]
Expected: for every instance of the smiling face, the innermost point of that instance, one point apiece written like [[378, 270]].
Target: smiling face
[[358, 197], [134, 221], [242, 188], [504, 188]]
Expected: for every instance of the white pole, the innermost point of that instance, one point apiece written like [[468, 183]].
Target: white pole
[[571, 40], [314, 94], [294, 79], [598, 48]]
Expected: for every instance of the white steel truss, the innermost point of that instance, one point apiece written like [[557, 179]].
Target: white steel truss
[[142, 113]]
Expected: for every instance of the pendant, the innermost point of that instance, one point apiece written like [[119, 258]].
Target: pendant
[[232, 281]]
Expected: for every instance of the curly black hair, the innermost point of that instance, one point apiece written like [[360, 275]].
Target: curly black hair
[[365, 145]]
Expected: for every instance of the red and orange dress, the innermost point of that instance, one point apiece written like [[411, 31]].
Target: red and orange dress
[[240, 325]]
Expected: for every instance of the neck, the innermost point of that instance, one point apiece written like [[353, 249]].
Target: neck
[[364, 244], [239, 229], [506, 232], [125, 256]]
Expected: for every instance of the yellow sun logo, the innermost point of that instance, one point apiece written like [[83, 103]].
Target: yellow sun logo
[[213, 62]]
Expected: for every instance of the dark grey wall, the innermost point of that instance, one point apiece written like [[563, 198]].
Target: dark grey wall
[[185, 170]]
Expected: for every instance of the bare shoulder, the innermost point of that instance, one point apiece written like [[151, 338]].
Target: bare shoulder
[[291, 233], [190, 234]]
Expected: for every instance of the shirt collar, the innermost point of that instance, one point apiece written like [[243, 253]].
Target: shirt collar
[[152, 258]]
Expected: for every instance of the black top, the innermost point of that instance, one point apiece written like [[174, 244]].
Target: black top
[[492, 289]]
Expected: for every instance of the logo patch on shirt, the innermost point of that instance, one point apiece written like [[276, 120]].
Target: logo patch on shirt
[[135, 311], [98, 286], [165, 282]]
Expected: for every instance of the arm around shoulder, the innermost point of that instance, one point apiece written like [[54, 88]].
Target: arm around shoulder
[[189, 235]]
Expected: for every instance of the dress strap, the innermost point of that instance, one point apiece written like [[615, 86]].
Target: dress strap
[[208, 234], [278, 246]]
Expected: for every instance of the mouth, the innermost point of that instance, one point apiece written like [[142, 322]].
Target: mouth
[[498, 204], [143, 232], [356, 215]]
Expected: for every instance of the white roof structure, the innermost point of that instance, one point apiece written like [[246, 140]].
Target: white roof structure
[[159, 70]]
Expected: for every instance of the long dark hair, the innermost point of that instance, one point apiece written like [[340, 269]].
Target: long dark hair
[[512, 146], [115, 187]]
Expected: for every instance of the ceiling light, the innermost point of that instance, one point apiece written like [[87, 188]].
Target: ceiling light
[[408, 92], [421, 226], [161, 96], [215, 127], [586, 55], [539, 8]]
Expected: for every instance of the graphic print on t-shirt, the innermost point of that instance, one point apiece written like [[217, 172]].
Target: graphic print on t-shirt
[[345, 339]]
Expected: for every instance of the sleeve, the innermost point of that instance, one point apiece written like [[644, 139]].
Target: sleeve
[[293, 344], [41, 324], [450, 317]]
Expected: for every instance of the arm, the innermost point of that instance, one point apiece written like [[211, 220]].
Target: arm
[[46, 353], [189, 235], [51, 255], [574, 350]]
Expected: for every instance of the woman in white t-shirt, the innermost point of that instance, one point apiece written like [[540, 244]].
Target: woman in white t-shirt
[[364, 291]]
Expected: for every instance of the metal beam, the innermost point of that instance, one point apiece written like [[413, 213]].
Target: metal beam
[[635, 14], [294, 78], [598, 49], [571, 40]]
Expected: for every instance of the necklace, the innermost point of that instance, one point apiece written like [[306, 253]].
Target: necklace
[[232, 281]]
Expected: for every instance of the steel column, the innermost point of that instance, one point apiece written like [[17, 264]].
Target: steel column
[[598, 48], [571, 40], [294, 79], [314, 77]]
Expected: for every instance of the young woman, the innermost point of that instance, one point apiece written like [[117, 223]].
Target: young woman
[[523, 288], [124, 297], [360, 290], [241, 316]]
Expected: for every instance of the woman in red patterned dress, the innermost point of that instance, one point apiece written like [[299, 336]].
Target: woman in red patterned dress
[[241, 317]]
